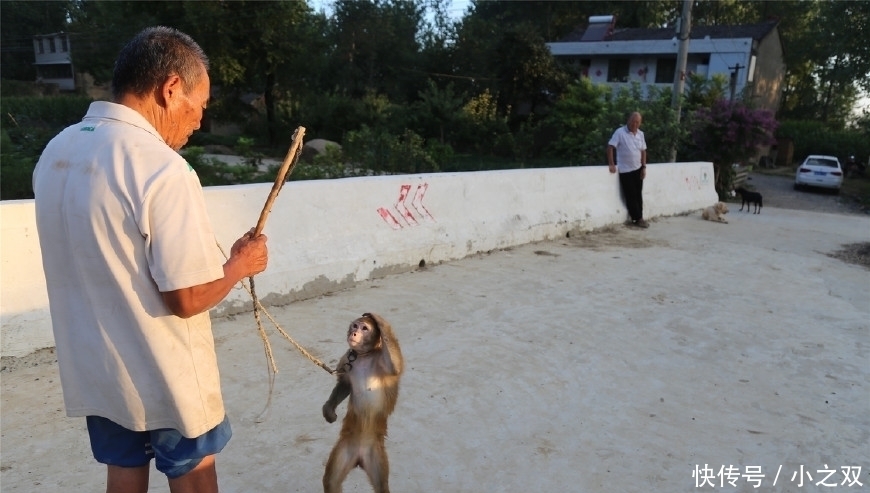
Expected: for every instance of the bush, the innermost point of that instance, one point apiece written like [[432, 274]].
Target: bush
[[20, 88], [369, 148], [54, 112], [727, 133], [814, 137], [213, 172], [383, 153], [330, 164], [578, 119], [28, 123], [441, 154], [16, 170], [408, 155]]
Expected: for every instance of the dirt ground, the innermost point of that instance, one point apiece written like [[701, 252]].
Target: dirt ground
[[619, 360], [778, 191]]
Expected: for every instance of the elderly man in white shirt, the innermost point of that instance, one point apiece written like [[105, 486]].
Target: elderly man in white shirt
[[630, 160], [132, 269]]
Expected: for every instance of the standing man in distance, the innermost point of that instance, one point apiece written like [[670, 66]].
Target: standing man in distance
[[132, 268], [629, 147]]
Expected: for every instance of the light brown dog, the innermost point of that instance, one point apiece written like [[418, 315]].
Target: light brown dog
[[716, 212]]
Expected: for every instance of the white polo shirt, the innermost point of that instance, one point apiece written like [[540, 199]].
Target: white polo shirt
[[121, 217], [629, 147]]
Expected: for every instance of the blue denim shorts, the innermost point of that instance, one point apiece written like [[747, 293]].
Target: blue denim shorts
[[174, 455]]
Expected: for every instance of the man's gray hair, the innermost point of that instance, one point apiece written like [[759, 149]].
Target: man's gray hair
[[152, 56]]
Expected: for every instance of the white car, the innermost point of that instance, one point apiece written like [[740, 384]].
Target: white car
[[819, 171]]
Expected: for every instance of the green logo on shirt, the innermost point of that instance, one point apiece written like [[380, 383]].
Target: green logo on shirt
[[87, 129]]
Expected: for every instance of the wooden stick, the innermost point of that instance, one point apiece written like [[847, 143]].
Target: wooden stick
[[286, 167]]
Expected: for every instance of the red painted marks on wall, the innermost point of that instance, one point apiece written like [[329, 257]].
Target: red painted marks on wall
[[403, 212], [418, 201], [388, 217], [400, 206]]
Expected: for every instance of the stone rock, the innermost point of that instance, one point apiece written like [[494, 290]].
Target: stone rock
[[315, 147]]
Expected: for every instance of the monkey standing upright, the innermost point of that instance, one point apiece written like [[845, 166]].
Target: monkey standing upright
[[369, 373]]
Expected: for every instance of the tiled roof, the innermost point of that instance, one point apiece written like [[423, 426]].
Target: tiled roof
[[755, 31]]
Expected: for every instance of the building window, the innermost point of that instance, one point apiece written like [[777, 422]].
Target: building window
[[576, 65], [64, 47], [666, 68], [51, 45], [617, 70], [41, 46]]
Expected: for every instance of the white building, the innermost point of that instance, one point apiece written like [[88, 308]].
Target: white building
[[750, 56], [53, 62]]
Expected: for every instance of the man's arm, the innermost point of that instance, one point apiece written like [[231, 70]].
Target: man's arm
[[643, 164], [248, 257], [610, 161]]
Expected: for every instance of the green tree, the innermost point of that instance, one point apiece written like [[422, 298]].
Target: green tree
[[257, 47], [702, 92], [482, 126], [526, 71], [375, 47], [585, 117], [577, 114], [100, 29], [827, 59], [436, 113], [729, 12]]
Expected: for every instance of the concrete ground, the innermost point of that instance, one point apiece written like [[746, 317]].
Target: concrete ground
[[623, 360]]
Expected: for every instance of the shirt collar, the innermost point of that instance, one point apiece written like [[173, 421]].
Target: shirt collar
[[114, 111]]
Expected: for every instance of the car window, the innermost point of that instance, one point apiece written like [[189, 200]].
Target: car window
[[822, 162]]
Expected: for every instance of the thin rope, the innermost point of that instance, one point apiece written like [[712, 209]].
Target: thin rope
[[258, 307], [271, 366]]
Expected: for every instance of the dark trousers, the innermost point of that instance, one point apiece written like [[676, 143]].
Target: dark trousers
[[632, 192]]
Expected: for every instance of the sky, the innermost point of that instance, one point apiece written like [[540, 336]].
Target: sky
[[458, 7]]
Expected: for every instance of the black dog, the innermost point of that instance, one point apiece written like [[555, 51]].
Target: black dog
[[749, 198]]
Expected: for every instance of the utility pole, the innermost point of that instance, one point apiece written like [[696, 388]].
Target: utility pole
[[685, 28], [733, 82]]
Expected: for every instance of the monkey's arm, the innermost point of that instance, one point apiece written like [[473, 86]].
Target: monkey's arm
[[339, 392], [392, 357]]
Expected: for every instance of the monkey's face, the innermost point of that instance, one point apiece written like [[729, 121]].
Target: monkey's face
[[362, 335]]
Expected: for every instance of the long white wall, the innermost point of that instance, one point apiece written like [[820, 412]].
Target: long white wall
[[327, 235]]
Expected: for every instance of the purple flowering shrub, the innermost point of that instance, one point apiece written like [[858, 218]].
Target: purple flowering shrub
[[730, 132]]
